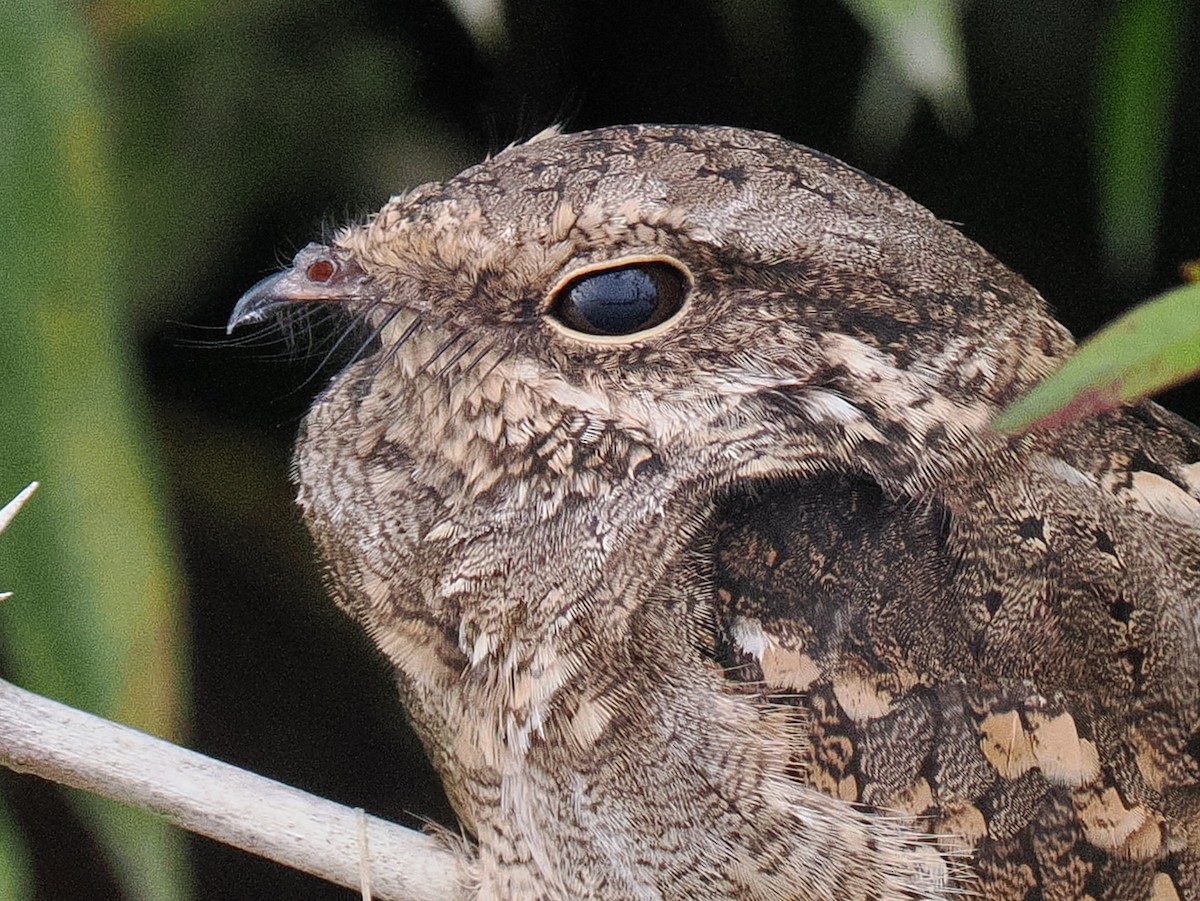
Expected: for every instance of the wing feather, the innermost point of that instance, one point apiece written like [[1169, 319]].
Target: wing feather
[[1013, 662]]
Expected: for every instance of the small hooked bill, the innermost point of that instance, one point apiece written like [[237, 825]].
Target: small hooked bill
[[318, 274]]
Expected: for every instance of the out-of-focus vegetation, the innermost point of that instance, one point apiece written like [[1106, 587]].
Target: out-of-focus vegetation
[[1138, 77], [96, 619], [1156, 345], [158, 157]]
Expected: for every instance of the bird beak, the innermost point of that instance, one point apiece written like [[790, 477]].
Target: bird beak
[[318, 274]]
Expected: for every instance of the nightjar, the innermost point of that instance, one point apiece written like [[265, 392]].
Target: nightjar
[[666, 483]]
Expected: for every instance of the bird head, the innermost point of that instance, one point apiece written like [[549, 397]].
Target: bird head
[[589, 305]]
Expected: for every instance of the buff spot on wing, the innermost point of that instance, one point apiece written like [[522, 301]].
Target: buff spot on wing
[[1051, 743], [963, 827], [1129, 832], [1163, 889], [861, 700], [1189, 474], [843, 787], [1152, 762], [1007, 745], [1062, 756], [782, 666], [1151, 493], [914, 800]]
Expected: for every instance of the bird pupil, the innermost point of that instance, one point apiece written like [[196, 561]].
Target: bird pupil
[[616, 302]]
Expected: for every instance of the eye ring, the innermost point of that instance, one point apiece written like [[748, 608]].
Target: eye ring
[[620, 300]]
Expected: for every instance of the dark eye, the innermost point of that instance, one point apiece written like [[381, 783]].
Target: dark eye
[[621, 301]]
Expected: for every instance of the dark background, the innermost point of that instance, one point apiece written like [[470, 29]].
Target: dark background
[[254, 128]]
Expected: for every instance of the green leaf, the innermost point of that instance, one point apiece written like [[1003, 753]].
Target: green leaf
[[1152, 347], [1136, 94], [95, 617]]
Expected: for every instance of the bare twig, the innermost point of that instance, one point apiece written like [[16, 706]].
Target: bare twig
[[242, 809], [8, 511]]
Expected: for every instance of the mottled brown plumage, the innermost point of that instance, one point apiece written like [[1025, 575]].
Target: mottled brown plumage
[[742, 598]]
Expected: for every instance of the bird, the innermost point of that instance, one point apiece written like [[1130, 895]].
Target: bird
[[665, 480]]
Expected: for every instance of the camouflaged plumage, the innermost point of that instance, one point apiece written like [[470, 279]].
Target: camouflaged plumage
[[752, 604]]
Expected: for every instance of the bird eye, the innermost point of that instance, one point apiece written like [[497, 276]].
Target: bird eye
[[621, 301]]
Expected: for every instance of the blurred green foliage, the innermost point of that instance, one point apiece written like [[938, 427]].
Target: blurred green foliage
[[1156, 345], [95, 620], [918, 55], [1136, 100]]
